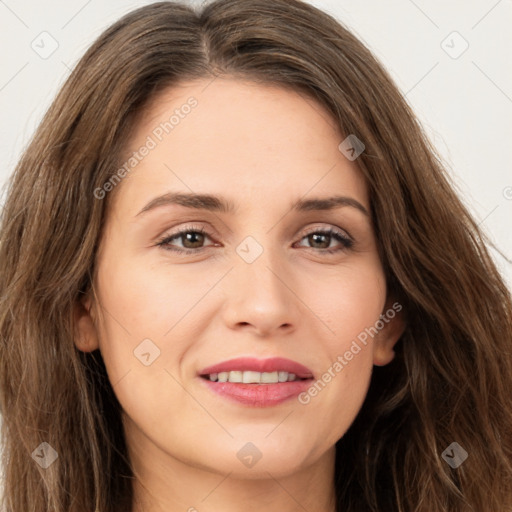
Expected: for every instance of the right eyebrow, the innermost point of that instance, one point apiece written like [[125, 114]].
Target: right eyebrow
[[328, 203]]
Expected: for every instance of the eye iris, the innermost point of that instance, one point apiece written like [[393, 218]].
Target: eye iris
[[189, 237], [314, 237]]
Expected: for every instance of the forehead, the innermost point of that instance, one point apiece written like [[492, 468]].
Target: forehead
[[240, 139]]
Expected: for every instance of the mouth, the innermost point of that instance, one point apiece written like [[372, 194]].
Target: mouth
[[250, 377], [257, 383]]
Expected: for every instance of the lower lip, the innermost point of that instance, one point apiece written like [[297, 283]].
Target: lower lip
[[259, 395]]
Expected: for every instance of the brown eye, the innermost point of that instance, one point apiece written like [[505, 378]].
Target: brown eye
[[324, 239], [192, 240]]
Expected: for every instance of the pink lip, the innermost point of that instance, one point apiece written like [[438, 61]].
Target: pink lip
[[259, 395], [273, 364]]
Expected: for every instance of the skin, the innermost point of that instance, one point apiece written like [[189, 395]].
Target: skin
[[262, 147]]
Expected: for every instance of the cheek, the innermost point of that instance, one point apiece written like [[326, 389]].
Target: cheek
[[351, 305], [142, 335], [348, 301], [337, 397], [146, 303], [151, 319]]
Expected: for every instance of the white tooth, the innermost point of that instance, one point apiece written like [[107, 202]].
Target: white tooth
[[223, 376], [269, 378], [283, 376], [251, 377], [235, 376]]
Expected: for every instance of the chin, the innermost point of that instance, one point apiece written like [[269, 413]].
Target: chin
[[257, 457]]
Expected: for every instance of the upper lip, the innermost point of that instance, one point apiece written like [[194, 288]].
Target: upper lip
[[273, 364]]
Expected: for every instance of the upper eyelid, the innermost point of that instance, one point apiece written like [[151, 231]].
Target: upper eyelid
[[336, 229]]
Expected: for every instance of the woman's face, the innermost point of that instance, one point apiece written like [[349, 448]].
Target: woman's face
[[259, 280]]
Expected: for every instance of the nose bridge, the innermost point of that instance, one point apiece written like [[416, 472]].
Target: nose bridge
[[260, 285], [260, 267]]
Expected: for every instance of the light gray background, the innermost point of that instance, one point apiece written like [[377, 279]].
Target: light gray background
[[464, 101]]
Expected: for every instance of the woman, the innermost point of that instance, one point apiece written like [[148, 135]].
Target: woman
[[172, 337]]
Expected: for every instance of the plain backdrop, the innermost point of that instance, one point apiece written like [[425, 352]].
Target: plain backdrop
[[451, 60]]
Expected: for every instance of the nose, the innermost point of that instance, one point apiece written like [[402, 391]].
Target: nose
[[260, 298]]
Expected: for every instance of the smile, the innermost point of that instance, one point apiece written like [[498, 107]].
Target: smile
[[250, 377], [257, 382]]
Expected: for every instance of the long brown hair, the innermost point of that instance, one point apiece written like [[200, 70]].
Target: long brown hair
[[451, 379]]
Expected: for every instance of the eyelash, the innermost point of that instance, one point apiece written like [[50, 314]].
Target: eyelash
[[346, 242]]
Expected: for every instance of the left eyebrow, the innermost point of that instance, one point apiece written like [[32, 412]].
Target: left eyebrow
[[196, 201], [220, 204]]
